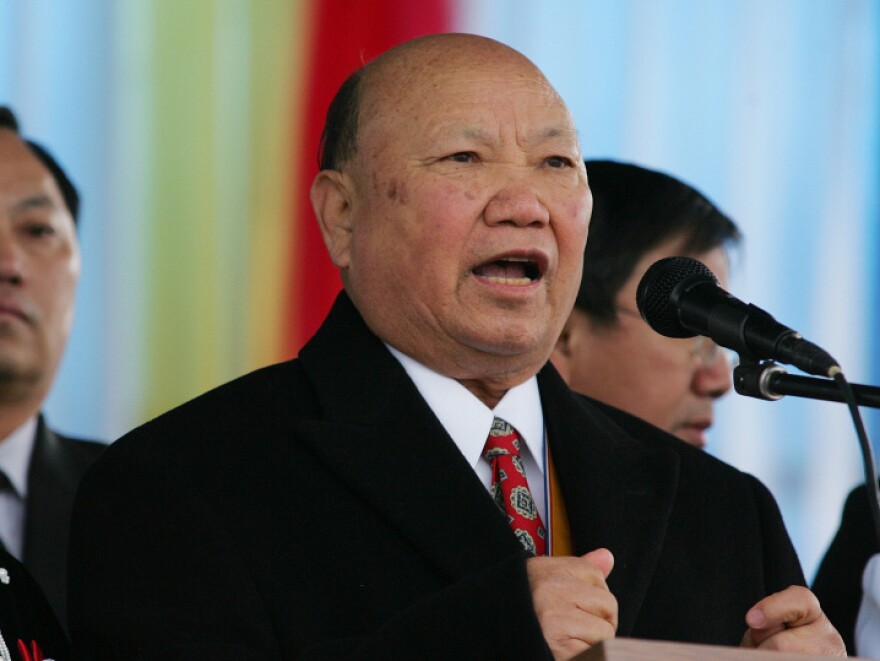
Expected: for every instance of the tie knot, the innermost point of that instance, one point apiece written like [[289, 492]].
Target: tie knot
[[503, 439]]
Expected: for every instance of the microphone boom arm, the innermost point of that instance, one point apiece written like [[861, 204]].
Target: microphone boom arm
[[765, 379]]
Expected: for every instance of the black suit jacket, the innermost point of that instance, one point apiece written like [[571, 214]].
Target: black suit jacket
[[57, 465], [838, 583], [25, 614], [318, 509]]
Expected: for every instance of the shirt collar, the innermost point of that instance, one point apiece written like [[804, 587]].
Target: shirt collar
[[15, 455], [468, 420]]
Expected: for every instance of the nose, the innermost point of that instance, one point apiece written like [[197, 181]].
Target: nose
[[516, 202], [11, 262], [713, 379]]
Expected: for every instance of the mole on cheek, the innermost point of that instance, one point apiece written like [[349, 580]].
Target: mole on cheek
[[397, 191]]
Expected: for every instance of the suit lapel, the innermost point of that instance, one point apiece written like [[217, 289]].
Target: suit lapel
[[379, 436], [51, 490], [619, 495], [56, 466]]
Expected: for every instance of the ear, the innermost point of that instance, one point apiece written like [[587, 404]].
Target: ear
[[561, 356], [563, 344], [332, 198]]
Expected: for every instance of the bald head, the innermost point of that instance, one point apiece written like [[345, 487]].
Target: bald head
[[433, 55], [368, 90]]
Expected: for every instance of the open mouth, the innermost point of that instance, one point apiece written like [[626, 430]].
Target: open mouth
[[510, 271]]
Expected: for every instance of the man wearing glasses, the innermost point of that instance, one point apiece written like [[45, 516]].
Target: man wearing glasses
[[606, 349]]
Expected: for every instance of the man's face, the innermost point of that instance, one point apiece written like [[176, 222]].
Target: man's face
[[39, 266], [669, 382], [470, 214]]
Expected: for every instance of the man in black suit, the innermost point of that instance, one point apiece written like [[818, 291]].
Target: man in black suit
[[39, 267], [839, 579], [336, 506]]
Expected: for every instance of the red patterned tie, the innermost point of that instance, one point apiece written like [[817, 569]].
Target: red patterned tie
[[510, 488]]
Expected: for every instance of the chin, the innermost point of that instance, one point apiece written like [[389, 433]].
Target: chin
[[509, 341], [15, 372]]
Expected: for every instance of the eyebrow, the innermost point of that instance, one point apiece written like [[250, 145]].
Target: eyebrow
[[35, 202]]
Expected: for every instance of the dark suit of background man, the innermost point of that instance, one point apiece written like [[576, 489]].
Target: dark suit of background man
[[39, 267], [336, 506]]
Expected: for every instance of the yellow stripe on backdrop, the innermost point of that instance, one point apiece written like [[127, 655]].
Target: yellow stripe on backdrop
[[223, 77]]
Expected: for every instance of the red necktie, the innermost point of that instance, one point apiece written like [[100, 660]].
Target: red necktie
[[510, 488]]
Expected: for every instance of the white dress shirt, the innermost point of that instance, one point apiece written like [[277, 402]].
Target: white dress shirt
[[468, 421], [867, 638], [15, 458]]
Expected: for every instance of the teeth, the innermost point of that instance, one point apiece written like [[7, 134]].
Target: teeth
[[509, 281], [517, 271]]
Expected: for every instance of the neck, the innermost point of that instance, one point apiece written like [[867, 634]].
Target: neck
[[503, 374], [13, 414], [487, 393]]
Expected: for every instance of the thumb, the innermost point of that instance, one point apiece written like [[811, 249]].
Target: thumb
[[602, 559]]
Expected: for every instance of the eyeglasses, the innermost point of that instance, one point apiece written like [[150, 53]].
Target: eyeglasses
[[706, 352], [703, 350]]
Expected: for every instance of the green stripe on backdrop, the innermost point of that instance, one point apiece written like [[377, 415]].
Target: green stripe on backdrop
[[278, 71], [207, 188]]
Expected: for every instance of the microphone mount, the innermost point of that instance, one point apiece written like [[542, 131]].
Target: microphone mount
[[764, 379]]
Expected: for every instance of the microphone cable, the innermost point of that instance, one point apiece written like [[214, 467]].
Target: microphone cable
[[868, 462]]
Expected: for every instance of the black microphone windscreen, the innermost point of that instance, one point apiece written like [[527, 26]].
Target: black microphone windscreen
[[654, 296]]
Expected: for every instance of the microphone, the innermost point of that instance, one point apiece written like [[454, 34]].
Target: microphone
[[680, 297]]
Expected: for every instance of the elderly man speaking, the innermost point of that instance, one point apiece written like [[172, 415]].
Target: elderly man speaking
[[419, 483]]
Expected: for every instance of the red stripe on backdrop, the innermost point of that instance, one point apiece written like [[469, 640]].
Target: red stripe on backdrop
[[346, 34]]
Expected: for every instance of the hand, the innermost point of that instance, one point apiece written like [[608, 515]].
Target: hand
[[572, 601], [792, 621]]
